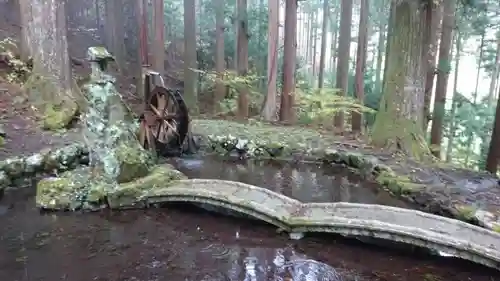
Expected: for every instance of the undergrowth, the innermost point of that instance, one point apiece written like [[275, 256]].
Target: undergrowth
[[312, 106], [18, 70]]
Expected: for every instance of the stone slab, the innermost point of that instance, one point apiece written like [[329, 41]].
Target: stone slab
[[401, 225]]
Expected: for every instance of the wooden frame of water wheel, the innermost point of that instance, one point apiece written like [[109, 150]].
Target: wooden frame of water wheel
[[165, 121]]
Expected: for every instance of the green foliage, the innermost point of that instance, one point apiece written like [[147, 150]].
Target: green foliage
[[320, 105], [19, 70], [234, 85]]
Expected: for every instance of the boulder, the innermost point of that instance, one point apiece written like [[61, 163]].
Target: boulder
[[66, 192], [81, 189], [131, 194]]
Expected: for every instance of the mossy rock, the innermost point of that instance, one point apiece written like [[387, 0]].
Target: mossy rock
[[135, 162], [59, 117], [65, 192], [132, 194], [397, 185]]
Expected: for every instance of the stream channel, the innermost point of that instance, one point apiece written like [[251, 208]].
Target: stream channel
[[184, 243]]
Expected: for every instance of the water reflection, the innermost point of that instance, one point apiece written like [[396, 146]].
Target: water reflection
[[183, 244], [266, 264], [308, 183]]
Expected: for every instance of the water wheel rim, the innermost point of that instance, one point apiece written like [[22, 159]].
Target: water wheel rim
[[164, 106]]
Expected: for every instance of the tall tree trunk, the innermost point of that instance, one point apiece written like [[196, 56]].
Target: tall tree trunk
[[433, 18], [324, 31], [269, 112], [381, 48], [25, 42], [357, 118], [287, 96], [315, 47], [309, 39], [190, 55], [334, 49], [144, 33], [159, 32], [115, 40], [494, 151], [51, 83], [451, 137], [442, 80], [494, 74], [343, 57], [220, 88], [398, 124], [242, 43]]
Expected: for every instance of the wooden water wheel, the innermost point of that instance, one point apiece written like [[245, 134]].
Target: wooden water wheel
[[164, 123]]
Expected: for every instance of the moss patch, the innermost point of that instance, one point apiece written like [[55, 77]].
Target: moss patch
[[63, 193], [496, 228], [397, 184], [466, 213], [134, 161], [131, 194], [59, 117]]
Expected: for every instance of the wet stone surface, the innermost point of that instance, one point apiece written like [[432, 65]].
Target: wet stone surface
[[180, 243], [305, 182]]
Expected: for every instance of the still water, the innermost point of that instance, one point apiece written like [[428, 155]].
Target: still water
[[183, 243], [305, 182]]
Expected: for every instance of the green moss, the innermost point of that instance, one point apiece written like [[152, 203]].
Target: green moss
[[59, 117], [396, 184], [466, 213], [131, 193], [134, 161], [496, 227]]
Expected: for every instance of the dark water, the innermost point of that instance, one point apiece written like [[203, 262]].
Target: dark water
[[180, 243], [305, 182]]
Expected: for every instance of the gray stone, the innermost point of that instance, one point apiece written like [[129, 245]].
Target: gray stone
[[396, 224]]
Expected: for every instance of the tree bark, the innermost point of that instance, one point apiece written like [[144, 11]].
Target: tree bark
[[357, 118], [398, 124], [322, 58], [382, 28], [494, 150], [496, 70], [220, 63], [442, 81], [343, 57], [159, 38], [242, 51], [51, 83], [288, 95], [269, 111], [25, 42], [433, 18], [190, 55], [451, 137]]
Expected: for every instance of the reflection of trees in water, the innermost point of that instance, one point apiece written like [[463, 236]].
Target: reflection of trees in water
[[285, 267]]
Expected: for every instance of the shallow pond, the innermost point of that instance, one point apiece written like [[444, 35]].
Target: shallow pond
[[183, 243], [305, 182]]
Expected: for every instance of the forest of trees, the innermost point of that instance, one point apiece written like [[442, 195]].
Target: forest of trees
[[389, 71]]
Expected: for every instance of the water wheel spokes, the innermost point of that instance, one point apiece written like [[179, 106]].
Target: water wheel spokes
[[146, 135], [164, 106]]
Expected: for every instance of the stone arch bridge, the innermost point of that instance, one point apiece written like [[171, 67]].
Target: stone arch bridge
[[455, 237]]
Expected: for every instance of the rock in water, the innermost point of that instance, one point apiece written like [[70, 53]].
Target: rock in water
[[110, 131]]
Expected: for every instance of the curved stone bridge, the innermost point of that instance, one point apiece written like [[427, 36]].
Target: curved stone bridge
[[402, 225]]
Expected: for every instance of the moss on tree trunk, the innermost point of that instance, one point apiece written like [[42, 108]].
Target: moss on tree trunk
[[398, 124]]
